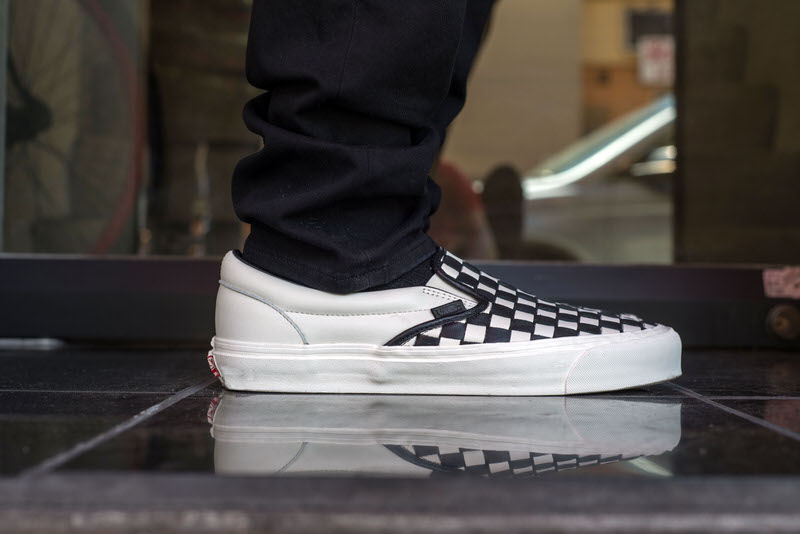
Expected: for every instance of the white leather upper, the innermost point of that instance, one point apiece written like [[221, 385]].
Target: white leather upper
[[268, 309]]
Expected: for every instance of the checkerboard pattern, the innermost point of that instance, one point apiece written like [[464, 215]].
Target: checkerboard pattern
[[504, 464], [513, 315]]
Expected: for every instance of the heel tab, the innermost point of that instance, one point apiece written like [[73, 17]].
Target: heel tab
[[232, 256], [228, 260], [234, 267]]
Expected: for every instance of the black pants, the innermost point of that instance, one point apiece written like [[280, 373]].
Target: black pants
[[359, 94]]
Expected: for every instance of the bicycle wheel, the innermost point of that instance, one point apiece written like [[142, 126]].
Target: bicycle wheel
[[73, 136]]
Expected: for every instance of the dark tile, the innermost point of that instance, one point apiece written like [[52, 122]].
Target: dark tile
[[741, 372], [102, 370], [36, 426], [435, 436], [715, 442], [177, 439], [392, 435], [782, 412], [54, 400], [644, 392]]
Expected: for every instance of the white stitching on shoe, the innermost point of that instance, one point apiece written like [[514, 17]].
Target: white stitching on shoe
[[442, 294], [356, 314]]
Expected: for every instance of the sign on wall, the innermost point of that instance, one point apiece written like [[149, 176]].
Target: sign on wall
[[656, 60]]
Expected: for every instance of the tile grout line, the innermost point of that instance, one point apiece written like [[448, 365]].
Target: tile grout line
[[751, 397], [595, 395], [63, 457], [87, 392], [753, 419]]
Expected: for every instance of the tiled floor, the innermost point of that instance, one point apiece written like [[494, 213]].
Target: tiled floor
[[733, 412], [80, 411]]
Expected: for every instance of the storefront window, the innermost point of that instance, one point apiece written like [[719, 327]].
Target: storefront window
[[123, 125]]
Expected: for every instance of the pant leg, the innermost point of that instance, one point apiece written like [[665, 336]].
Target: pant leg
[[339, 197], [476, 23]]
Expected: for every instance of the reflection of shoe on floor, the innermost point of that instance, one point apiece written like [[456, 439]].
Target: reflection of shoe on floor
[[415, 435], [462, 333]]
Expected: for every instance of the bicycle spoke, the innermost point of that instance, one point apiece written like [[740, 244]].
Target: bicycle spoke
[[31, 30], [36, 38], [71, 93], [53, 151], [62, 113], [63, 53], [59, 80], [39, 189]]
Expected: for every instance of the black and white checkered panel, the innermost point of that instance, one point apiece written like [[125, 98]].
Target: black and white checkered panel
[[514, 315], [509, 464]]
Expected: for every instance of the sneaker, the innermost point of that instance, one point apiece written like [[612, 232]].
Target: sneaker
[[462, 333], [417, 435]]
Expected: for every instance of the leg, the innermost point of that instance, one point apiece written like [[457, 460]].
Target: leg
[[339, 197], [476, 22]]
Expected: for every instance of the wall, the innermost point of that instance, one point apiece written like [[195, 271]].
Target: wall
[[739, 132], [610, 80], [604, 32], [524, 96], [198, 54]]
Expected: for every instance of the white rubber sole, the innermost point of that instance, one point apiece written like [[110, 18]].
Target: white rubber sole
[[562, 366]]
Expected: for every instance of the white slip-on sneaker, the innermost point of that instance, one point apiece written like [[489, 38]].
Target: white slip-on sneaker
[[417, 435], [462, 333]]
